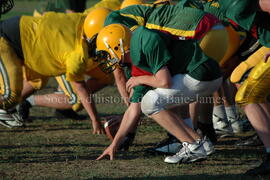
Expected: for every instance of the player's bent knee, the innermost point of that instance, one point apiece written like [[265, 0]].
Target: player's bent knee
[[151, 103]]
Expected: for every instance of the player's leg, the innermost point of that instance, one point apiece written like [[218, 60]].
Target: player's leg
[[11, 84], [155, 103], [252, 96], [205, 123], [232, 114], [171, 145], [66, 100]]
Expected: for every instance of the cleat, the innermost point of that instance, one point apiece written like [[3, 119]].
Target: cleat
[[188, 153], [208, 146], [249, 141], [10, 118], [264, 168], [222, 127], [24, 110], [128, 140], [236, 124]]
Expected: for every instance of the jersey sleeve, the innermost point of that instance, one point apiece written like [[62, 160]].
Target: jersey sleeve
[[155, 51]]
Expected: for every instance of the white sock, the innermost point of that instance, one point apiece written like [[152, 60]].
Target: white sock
[[268, 149], [219, 111], [231, 112], [31, 100], [189, 123]]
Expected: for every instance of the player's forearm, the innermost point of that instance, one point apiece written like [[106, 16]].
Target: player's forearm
[[87, 100], [162, 79], [129, 121], [120, 80], [152, 81]]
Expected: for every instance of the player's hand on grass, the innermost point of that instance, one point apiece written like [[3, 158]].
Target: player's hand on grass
[[109, 151], [132, 82], [97, 128]]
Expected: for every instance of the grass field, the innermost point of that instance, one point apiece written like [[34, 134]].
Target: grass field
[[56, 148]]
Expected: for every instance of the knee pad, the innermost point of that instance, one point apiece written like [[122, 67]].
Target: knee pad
[[77, 107], [151, 103]]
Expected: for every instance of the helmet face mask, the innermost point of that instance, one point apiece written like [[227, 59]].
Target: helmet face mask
[[109, 61]]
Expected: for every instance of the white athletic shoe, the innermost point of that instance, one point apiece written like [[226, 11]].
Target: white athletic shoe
[[236, 124], [207, 145], [222, 126], [188, 153], [10, 118]]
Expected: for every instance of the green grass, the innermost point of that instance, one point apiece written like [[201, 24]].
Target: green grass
[[57, 148]]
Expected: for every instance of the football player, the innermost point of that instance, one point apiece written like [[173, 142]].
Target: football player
[[252, 97], [51, 45], [177, 69], [70, 102], [189, 28]]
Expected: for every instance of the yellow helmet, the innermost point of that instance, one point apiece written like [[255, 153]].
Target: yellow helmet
[[94, 21], [127, 3], [36, 13], [112, 42]]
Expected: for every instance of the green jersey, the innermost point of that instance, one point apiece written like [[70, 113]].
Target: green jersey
[[243, 13], [150, 50], [212, 7], [184, 22]]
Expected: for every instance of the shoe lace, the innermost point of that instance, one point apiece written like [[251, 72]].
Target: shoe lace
[[184, 150]]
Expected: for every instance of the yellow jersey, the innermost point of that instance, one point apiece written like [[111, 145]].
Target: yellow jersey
[[53, 45]]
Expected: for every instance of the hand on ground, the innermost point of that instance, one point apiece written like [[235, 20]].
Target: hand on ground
[[97, 128]]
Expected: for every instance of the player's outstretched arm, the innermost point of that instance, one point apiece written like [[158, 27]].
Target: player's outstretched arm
[[130, 119], [89, 105]]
